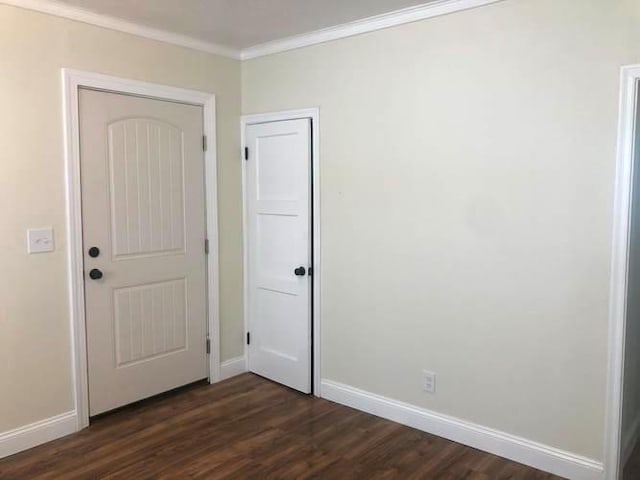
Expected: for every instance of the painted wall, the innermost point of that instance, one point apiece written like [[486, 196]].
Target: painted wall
[[34, 314], [631, 400], [467, 165]]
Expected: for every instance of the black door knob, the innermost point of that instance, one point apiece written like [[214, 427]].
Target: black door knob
[[94, 252], [95, 274], [300, 271]]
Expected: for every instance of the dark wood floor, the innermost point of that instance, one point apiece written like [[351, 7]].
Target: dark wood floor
[[250, 428]]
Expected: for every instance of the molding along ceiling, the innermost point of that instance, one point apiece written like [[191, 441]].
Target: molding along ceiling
[[370, 24], [85, 16], [378, 22]]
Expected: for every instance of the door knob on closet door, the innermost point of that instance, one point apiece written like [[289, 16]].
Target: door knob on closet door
[[95, 274], [300, 271]]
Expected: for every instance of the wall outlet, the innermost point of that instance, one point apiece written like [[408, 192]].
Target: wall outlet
[[429, 381]]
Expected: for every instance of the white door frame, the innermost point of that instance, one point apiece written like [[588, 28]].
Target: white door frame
[[72, 80], [630, 78], [314, 115]]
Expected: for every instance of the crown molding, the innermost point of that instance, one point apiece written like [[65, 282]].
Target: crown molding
[[370, 24], [85, 16]]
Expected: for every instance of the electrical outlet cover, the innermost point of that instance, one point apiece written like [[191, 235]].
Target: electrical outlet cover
[[429, 382]]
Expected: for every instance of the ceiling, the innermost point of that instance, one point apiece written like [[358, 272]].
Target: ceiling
[[240, 24]]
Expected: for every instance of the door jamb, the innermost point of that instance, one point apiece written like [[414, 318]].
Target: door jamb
[[630, 87], [314, 115], [72, 80]]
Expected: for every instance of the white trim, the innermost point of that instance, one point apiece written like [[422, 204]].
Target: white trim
[[112, 23], [233, 367], [630, 75], [37, 433], [71, 81], [483, 438], [213, 261], [314, 115], [371, 24]]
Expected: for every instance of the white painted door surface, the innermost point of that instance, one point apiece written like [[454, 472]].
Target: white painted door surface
[[142, 176], [278, 195]]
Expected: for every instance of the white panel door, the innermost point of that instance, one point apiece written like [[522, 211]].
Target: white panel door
[[143, 213], [278, 195]]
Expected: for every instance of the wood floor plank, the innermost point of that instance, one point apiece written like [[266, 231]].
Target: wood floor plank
[[249, 428]]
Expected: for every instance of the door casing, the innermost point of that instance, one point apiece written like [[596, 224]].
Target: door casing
[[314, 115], [623, 188], [72, 80]]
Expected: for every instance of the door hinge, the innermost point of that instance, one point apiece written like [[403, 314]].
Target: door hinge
[[246, 153], [208, 345], [206, 246], [248, 338], [204, 143]]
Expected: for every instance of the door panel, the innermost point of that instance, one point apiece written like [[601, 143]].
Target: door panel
[[146, 317], [150, 321], [279, 233], [146, 188]]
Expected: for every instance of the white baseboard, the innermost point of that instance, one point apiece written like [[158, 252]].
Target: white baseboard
[[514, 448], [37, 433], [232, 367], [630, 440]]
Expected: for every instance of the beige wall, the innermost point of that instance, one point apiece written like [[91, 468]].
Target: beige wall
[[467, 165], [34, 314]]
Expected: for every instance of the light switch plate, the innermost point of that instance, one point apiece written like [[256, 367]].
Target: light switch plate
[[40, 240]]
